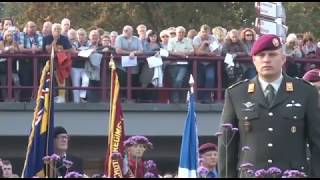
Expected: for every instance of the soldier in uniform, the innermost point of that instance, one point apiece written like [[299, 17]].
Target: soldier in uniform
[[276, 117]]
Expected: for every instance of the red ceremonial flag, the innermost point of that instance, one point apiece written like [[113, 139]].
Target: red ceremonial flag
[[113, 161]]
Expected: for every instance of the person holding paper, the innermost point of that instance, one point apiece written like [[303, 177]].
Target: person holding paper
[[233, 46], [127, 44], [181, 47], [151, 47], [92, 67], [206, 70]]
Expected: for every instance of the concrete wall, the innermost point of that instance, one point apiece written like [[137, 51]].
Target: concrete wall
[[92, 119]]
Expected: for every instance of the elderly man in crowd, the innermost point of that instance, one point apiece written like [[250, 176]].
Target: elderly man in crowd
[[31, 43], [65, 24], [180, 47], [206, 70], [127, 44], [209, 159], [60, 44]]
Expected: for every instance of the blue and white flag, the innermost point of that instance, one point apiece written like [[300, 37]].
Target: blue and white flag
[[189, 153]]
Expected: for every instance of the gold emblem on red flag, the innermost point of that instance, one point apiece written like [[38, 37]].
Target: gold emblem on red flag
[[289, 87]]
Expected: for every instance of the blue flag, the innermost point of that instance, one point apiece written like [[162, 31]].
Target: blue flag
[[40, 142], [189, 153]]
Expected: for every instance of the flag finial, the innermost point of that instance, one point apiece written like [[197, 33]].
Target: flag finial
[[112, 65], [191, 82]]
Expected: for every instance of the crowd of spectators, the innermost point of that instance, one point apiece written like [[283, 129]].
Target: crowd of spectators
[[179, 42]]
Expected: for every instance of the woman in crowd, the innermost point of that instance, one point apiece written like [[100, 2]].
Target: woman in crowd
[[8, 45], [247, 37], [292, 49], [309, 45]]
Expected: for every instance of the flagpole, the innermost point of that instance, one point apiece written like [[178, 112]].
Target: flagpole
[[110, 134], [50, 104]]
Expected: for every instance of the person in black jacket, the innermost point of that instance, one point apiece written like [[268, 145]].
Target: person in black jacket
[[61, 144]]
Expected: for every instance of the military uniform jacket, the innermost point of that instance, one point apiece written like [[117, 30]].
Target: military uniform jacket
[[276, 134]]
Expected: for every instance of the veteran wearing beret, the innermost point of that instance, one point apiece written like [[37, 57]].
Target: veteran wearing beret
[[276, 116], [313, 76], [209, 158], [61, 145]]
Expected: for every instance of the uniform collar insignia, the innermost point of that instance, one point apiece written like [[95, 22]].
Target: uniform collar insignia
[[289, 87], [251, 88]]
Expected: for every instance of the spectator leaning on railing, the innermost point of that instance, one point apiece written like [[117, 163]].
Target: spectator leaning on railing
[[92, 67], [206, 70], [78, 74], [234, 47], [31, 43], [292, 49], [247, 38], [127, 44], [60, 44], [8, 45], [181, 47]]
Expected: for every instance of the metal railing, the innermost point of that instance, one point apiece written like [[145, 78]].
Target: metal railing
[[129, 88]]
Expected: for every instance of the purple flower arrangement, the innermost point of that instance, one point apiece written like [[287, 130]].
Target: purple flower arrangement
[[67, 163], [272, 172], [150, 166], [46, 159], [73, 174], [55, 157], [261, 173], [151, 169], [202, 172], [138, 140], [293, 174], [247, 170], [150, 175]]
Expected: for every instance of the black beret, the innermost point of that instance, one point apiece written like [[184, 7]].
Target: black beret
[[207, 147], [59, 130], [266, 42]]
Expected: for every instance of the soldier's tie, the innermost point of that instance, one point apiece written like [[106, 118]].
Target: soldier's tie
[[270, 94]]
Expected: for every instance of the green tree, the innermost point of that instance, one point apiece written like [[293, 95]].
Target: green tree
[[301, 16]]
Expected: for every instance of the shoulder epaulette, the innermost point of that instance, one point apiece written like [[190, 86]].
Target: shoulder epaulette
[[237, 83], [305, 81]]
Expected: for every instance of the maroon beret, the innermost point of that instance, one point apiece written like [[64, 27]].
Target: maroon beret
[[312, 75], [207, 147], [266, 42]]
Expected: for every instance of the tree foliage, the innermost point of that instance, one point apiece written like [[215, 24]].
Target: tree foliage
[[301, 17]]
